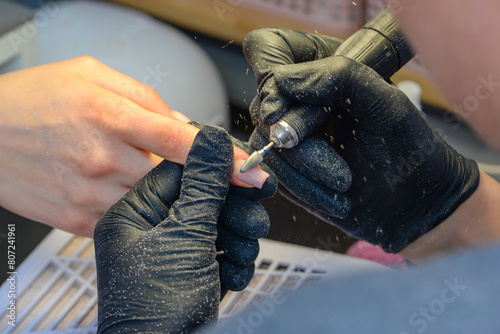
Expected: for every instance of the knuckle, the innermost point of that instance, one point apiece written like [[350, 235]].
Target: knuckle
[[81, 196], [150, 93], [142, 92], [97, 167], [86, 61], [92, 160], [103, 116], [81, 222]]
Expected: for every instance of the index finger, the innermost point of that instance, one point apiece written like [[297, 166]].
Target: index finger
[[123, 85], [268, 47], [172, 140]]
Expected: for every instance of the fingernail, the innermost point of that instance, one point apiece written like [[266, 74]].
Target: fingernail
[[255, 177], [179, 116]]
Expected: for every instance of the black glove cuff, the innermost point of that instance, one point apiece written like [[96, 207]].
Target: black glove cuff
[[464, 179]]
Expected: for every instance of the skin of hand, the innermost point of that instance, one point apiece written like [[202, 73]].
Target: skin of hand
[[458, 42], [473, 224], [155, 248], [406, 179], [469, 79], [76, 135]]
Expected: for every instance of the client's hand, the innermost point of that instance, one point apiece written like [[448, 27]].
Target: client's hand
[[76, 135]]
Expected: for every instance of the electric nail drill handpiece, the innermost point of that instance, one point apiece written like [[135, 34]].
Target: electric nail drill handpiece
[[379, 44]]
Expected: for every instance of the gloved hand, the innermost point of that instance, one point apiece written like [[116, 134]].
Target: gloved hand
[[155, 248], [312, 171], [241, 223], [406, 178]]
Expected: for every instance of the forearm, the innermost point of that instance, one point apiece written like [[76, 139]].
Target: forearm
[[475, 223], [457, 41]]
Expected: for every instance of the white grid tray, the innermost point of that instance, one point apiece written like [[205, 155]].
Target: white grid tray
[[56, 285]]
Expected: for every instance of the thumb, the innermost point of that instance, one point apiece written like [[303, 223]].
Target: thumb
[[205, 180]]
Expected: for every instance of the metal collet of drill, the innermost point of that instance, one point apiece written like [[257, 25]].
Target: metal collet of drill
[[282, 135]]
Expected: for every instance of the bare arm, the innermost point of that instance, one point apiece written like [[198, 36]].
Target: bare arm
[[475, 223], [458, 42]]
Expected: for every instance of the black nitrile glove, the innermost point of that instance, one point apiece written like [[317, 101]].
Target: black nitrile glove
[[406, 179], [155, 248], [241, 223], [312, 171]]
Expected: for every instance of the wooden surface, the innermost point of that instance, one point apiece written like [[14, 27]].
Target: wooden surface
[[220, 19], [231, 23]]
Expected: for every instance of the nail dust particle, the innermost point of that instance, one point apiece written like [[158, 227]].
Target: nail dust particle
[[230, 42]]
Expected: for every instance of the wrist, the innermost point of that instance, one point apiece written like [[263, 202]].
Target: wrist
[[474, 223]]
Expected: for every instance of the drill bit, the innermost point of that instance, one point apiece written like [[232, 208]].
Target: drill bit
[[282, 135], [256, 157]]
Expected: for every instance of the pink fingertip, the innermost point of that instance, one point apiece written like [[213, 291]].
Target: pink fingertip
[[254, 177]]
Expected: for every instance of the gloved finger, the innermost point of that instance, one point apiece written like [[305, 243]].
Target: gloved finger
[[314, 158], [269, 187], [255, 111], [322, 198], [269, 112], [273, 105], [239, 250], [312, 83], [232, 276], [205, 182], [332, 81], [143, 207], [244, 217], [268, 47]]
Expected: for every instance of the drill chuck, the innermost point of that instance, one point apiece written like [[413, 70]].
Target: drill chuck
[[284, 135], [298, 123]]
